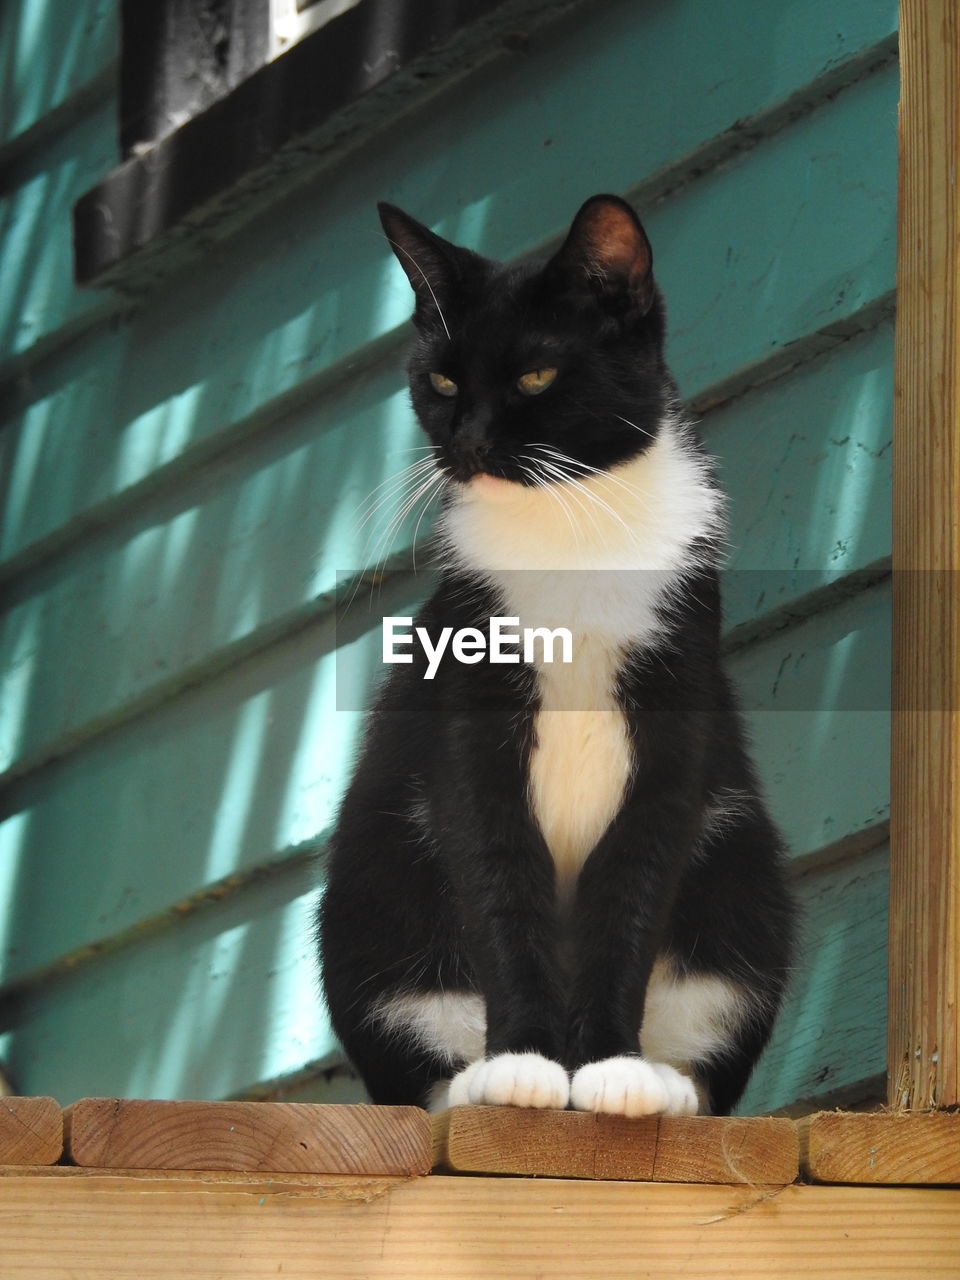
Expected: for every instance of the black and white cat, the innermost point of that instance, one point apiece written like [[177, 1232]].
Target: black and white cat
[[556, 884]]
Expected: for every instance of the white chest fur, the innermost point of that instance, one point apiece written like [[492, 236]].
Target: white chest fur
[[581, 759], [600, 556]]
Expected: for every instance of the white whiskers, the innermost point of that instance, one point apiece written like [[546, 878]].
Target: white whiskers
[[570, 471], [551, 490], [400, 494], [642, 430], [391, 487], [423, 275]]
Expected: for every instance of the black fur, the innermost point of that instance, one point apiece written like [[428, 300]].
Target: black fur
[[439, 879]]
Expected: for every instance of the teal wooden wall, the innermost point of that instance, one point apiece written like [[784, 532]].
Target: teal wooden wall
[[181, 475]]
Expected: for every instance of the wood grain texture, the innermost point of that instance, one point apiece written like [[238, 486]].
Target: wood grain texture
[[31, 1131], [573, 1144], [231, 1228], [294, 1137], [923, 1055], [920, 1148]]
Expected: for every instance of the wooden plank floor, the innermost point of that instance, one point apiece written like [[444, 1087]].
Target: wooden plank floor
[[114, 1226], [239, 1224]]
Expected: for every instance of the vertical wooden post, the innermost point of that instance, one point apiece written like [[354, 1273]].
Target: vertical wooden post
[[922, 1048]]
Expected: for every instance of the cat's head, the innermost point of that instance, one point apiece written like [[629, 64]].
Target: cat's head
[[543, 371]]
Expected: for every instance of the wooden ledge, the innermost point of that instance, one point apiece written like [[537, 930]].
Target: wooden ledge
[[233, 1227], [904, 1148], [261, 1137], [323, 1140], [31, 1131], [758, 1151]]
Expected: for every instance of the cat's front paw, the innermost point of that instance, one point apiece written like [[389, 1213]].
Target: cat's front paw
[[632, 1087], [511, 1080]]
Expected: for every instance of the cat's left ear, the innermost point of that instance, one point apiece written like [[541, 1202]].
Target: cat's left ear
[[607, 250], [432, 264]]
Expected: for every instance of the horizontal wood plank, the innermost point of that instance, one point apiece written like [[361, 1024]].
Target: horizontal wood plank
[[47, 54], [93, 1227], [806, 464], [31, 1130], [817, 699], [888, 1147], [830, 1032], [273, 1137], [41, 297], [572, 1144]]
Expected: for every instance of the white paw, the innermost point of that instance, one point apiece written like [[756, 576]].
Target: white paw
[[682, 1097], [632, 1087], [511, 1080]]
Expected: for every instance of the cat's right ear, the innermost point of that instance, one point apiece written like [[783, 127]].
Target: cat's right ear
[[607, 254], [429, 261]]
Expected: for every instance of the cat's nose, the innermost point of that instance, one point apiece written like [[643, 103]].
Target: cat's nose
[[470, 455], [471, 444]]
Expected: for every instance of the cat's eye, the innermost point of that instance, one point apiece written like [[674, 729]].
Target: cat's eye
[[535, 381], [442, 385]]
